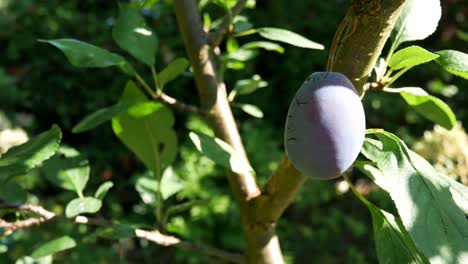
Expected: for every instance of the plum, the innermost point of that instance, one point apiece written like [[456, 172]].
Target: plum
[[325, 127]]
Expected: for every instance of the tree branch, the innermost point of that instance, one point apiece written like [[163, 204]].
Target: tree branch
[[215, 37], [154, 236], [372, 22], [356, 57]]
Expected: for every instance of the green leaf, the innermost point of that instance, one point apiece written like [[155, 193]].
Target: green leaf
[[170, 183], [85, 55], [247, 86], [11, 192], [54, 246], [423, 198], [428, 106], [271, 46], [84, 205], [68, 170], [103, 189], [146, 129], [172, 71], [286, 36], [418, 20], [100, 116], [132, 34], [147, 185], [410, 57], [220, 152], [252, 110], [392, 241], [20, 159], [453, 61]]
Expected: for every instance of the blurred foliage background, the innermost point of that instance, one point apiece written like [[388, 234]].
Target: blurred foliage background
[[326, 224]]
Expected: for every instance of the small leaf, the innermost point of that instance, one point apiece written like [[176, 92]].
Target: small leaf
[[68, 170], [271, 46], [20, 159], [286, 36], [103, 189], [410, 57], [54, 246], [132, 34], [453, 61], [12, 192], [247, 86], [418, 20], [170, 183], [220, 152], [252, 110], [242, 55], [172, 71], [82, 54], [84, 205], [429, 106], [423, 197], [100, 116]]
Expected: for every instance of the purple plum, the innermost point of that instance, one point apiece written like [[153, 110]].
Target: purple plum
[[325, 127]]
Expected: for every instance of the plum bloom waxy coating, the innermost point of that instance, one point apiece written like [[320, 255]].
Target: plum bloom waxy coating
[[325, 126]]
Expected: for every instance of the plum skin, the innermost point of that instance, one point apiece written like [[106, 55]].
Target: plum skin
[[325, 126]]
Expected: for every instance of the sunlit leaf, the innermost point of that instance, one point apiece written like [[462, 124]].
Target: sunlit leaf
[[428, 106], [103, 189], [20, 159], [410, 57], [54, 246], [286, 36], [417, 21], [423, 198], [68, 170], [271, 46], [84, 205]]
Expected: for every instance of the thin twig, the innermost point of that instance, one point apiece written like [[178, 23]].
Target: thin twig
[[151, 235], [183, 107], [215, 37]]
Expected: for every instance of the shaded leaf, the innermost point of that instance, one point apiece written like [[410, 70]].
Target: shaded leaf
[[54, 246], [146, 129], [220, 152], [11, 192], [103, 189], [247, 86], [418, 20], [82, 54], [84, 205], [100, 116], [172, 71], [20, 159], [453, 61], [422, 197], [286, 36], [410, 57], [132, 34]]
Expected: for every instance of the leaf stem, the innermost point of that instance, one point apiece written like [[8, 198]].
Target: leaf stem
[[156, 81], [145, 85]]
